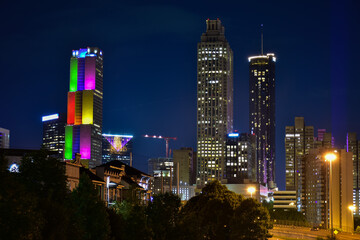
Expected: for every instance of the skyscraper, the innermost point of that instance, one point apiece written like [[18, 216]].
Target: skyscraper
[[240, 158], [262, 114], [328, 189], [353, 146], [117, 147], [54, 132], [4, 138], [214, 101], [84, 117], [299, 139]]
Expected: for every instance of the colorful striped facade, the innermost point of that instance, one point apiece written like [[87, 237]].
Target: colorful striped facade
[[85, 96]]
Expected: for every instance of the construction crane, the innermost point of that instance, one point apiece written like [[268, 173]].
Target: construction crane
[[167, 139]]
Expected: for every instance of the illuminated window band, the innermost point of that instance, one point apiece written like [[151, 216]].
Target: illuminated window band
[[85, 141], [68, 150], [73, 74], [88, 107], [117, 135], [233, 135], [50, 117]]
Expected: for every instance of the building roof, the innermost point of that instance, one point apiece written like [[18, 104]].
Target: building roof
[[130, 171], [91, 175]]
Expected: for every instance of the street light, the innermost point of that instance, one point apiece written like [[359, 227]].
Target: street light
[[251, 190], [352, 209], [330, 157]]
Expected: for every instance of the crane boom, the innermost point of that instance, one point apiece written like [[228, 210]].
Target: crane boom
[[167, 139]]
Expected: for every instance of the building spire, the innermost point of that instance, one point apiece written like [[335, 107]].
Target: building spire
[[262, 39]]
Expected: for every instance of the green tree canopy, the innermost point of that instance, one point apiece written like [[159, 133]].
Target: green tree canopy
[[251, 221], [208, 215], [163, 213], [89, 212]]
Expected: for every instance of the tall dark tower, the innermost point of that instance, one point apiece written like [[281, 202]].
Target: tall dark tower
[[262, 113], [214, 101]]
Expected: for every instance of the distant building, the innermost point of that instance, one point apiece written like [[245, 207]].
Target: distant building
[[299, 140], [54, 132], [173, 174], [353, 146], [162, 171], [84, 109], [184, 159], [214, 101], [262, 114], [284, 200], [325, 194], [117, 147], [4, 138], [240, 158]]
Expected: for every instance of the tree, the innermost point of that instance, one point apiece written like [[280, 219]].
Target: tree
[[163, 213], [89, 212], [208, 215], [116, 224], [250, 221], [134, 220], [45, 176], [19, 218]]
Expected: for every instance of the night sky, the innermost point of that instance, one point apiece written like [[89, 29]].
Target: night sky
[[150, 65]]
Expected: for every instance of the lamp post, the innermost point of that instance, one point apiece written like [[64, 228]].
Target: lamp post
[[251, 190], [352, 209], [329, 157]]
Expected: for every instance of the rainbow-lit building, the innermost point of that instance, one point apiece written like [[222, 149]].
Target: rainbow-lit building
[[84, 109]]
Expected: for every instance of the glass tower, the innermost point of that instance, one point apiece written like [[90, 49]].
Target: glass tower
[[214, 101], [353, 146], [262, 114], [54, 132], [85, 97]]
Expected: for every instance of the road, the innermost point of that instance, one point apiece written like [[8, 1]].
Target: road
[[305, 233]]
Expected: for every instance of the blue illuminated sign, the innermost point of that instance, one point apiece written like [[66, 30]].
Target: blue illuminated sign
[[233, 135], [50, 117]]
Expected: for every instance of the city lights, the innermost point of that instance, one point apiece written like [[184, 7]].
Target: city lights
[[251, 190]]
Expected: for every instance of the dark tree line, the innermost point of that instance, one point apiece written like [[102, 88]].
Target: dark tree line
[[36, 204]]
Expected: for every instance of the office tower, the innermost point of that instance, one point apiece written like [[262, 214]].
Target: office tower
[[240, 158], [353, 146], [184, 160], [214, 101], [162, 171], [262, 114], [4, 138], [54, 132], [299, 139], [329, 193], [84, 117], [117, 147]]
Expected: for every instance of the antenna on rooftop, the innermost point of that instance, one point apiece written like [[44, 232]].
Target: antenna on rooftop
[[262, 40]]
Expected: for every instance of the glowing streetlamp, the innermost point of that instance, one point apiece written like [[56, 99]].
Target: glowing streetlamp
[[330, 157], [352, 209], [251, 190]]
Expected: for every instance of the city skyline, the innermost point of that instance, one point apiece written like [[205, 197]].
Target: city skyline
[[319, 40]]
